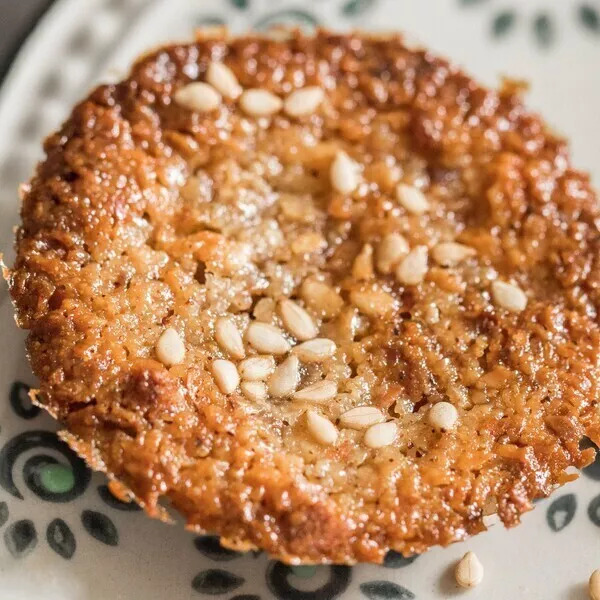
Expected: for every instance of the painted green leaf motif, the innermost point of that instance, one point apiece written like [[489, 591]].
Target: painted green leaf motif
[[35, 440], [395, 560], [503, 23], [20, 538], [57, 478], [100, 527], [241, 4], [594, 511], [299, 18], [543, 28], [304, 571], [561, 512], [356, 7], [590, 17], [216, 581], [210, 546], [3, 513], [60, 538], [385, 590]]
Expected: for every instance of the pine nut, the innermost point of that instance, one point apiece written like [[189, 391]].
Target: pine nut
[[257, 368], [412, 199], [392, 249], [380, 435], [297, 321], [198, 96], [254, 390], [509, 296], [320, 297], [267, 338], [442, 416], [286, 378], [304, 101], [225, 375], [228, 337], [361, 417], [362, 269], [469, 571], [260, 103], [170, 348], [322, 429], [449, 254], [373, 302], [315, 350], [317, 392], [264, 309], [412, 270], [344, 173], [222, 78]]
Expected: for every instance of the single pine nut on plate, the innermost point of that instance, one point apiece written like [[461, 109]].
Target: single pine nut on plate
[[413, 268], [343, 174], [198, 96], [223, 79], [469, 571], [267, 338], [449, 254], [381, 435], [509, 296], [256, 368], [315, 350], [392, 248], [297, 321], [170, 348], [317, 392], [321, 428], [594, 585], [412, 199], [442, 416], [286, 377], [361, 417], [229, 338], [226, 375], [260, 103], [304, 101], [254, 390]]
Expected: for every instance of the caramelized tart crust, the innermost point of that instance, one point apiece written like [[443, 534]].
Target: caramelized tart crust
[[149, 215]]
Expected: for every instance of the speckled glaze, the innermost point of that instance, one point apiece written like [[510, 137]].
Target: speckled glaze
[[60, 526]]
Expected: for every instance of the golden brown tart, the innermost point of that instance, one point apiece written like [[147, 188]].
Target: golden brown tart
[[327, 296]]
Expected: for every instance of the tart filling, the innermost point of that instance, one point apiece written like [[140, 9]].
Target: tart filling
[[328, 296]]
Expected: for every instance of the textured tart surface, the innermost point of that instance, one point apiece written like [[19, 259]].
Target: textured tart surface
[[146, 215]]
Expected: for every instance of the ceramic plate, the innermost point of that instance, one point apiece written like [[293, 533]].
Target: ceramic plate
[[62, 535]]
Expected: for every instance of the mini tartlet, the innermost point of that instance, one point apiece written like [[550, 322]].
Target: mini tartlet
[[327, 296]]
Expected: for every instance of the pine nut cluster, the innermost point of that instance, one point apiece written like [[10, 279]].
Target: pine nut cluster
[[275, 371], [221, 82], [267, 361]]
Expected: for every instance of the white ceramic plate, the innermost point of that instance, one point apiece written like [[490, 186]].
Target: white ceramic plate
[[62, 536]]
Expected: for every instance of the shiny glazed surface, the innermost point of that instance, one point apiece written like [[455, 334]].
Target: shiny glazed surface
[[146, 215]]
